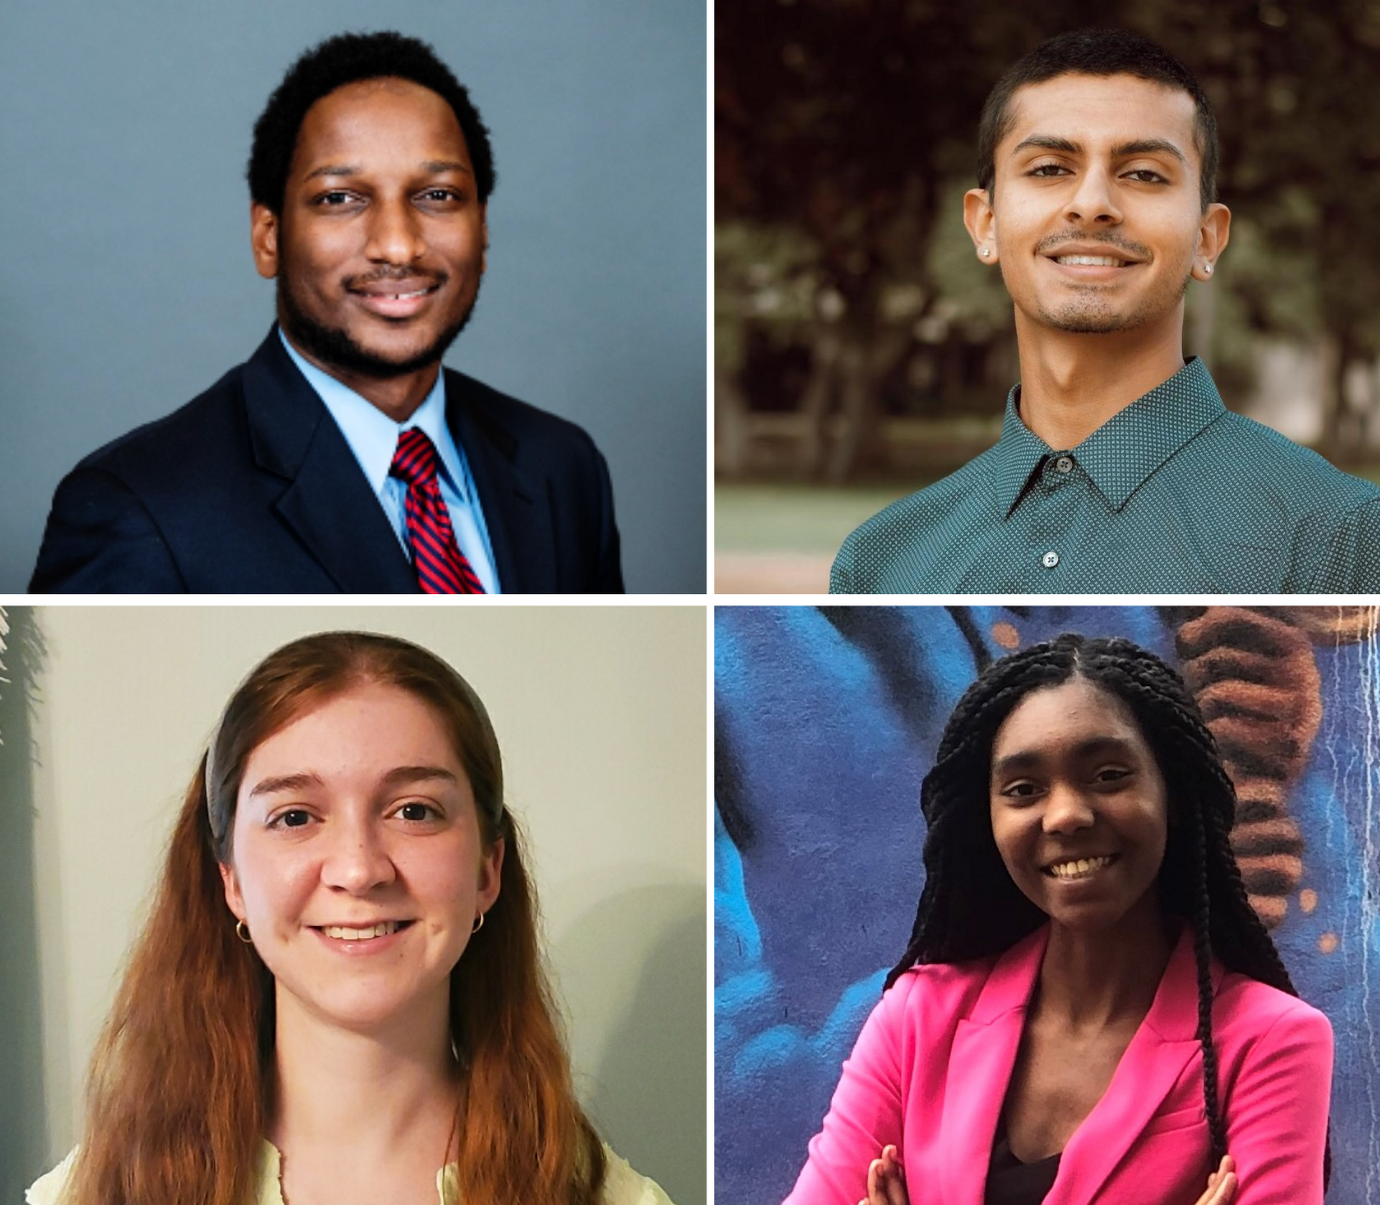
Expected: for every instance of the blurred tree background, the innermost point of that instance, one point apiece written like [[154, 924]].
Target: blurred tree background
[[859, 341]]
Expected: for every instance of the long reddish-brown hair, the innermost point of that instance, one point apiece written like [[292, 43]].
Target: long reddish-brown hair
[[177, 1103]]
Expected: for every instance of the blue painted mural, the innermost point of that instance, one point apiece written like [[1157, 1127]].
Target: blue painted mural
[[826, 719]]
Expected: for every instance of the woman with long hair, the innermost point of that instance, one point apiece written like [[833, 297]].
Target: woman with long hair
[[338, 995], [1088, 1009]]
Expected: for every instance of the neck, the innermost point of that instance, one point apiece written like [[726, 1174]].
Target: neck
[[397, 397], [1101, 979], [374, 1093], [1071, 384]]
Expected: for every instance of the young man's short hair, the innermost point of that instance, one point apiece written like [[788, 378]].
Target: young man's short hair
[[348, 59], [1099, 52]]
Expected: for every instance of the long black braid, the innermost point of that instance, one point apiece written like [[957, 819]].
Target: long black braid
[[970, 907]]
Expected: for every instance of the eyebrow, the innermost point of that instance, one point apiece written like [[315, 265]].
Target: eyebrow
[[435, 167], [1122, 150], [285, 782], [1015, 762], [404, 775], [400, 776]]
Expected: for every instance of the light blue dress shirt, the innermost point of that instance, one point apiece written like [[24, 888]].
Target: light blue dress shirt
[[373, 438]]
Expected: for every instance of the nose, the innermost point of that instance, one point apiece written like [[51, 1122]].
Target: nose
[[1092, 202], [1066, 811], [358, 859], [395, 232]]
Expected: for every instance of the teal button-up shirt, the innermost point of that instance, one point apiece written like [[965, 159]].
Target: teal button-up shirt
[[1174, 494]]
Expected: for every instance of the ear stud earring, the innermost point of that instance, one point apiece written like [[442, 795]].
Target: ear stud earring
[[1208, 269], [986, 252]]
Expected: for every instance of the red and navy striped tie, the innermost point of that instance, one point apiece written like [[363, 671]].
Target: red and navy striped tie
[[441, 567]]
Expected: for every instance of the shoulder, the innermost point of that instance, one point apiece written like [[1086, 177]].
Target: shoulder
[[624, 1186], [1241, 998], [918, 525], [934, 996], [1250, 1017], [47, 1189], [911, 515], [1284, 470], [209, 427], [501, 415]]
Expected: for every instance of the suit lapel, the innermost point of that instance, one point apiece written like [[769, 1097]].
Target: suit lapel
[[1154, 1061], [981, 1060], [328, 504], [516, 511]]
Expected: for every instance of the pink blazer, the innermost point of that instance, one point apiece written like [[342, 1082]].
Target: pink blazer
[[931, 1067]]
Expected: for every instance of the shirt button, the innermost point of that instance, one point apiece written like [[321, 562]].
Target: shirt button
[[1049, 560], [1064, 464]]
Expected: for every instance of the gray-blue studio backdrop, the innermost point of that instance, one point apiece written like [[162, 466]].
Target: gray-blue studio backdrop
[[826, 720], [129, 287]]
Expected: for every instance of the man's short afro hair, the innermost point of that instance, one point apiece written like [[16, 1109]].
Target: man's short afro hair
[[347, 59]]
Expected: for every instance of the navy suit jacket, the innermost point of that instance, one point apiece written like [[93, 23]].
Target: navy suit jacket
[[251, 488]]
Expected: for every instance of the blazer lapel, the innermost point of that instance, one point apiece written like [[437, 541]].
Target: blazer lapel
[[981, 1060], [328, 504], [1154, 1061], [516, 513]]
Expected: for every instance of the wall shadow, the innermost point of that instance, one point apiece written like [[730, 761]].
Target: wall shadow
[[650, 1086], [23, 1107]]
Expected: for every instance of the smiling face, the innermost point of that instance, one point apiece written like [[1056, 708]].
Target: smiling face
[[357, 815], [380, 246], [1078, 807], [1095, 215]]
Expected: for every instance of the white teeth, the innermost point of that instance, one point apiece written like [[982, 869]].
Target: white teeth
[[382, 930], [1078, 868], [400, 296], [1093, 261]]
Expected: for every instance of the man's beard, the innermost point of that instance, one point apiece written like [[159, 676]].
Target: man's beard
[[334, 347], [1096, 317]]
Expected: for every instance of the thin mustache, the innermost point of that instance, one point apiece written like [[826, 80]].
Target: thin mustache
[[359, 282], [1053, 244]]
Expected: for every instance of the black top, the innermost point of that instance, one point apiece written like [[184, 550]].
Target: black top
[[1011, 1182]]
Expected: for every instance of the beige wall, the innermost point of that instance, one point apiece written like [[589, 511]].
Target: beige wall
[[601, 714]]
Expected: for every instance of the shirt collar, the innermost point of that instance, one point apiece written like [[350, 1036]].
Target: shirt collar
[[1127, 449], [371, 434]]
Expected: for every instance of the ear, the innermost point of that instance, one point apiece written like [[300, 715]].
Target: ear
[[263, 238], [981, 223], [490, 875], [233, 899], [1213, 234], [484, 230]]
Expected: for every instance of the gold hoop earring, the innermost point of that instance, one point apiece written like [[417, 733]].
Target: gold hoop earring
[[242, 932], [478, 924]]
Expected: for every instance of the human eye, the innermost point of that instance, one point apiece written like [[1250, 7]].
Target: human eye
[[335, 198], [1048, 171], [1023, 790], [1110, 775], [418, 811], [1146, 175], [290, 818]]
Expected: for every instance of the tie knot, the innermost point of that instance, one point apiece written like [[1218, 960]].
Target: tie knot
[[415, 459]]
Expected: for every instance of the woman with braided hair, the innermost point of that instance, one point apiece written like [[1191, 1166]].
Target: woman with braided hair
[[1088, 1009]]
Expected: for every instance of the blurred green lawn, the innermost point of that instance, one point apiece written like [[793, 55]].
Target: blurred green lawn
[[796, 518], [781, 539]]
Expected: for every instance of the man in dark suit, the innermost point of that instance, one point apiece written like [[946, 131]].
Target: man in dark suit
[[341, 457]]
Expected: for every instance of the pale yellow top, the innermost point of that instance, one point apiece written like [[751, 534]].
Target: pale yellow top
[[622, 1185]]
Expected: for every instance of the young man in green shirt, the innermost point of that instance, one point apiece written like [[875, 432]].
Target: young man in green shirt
[[1118, 468]]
